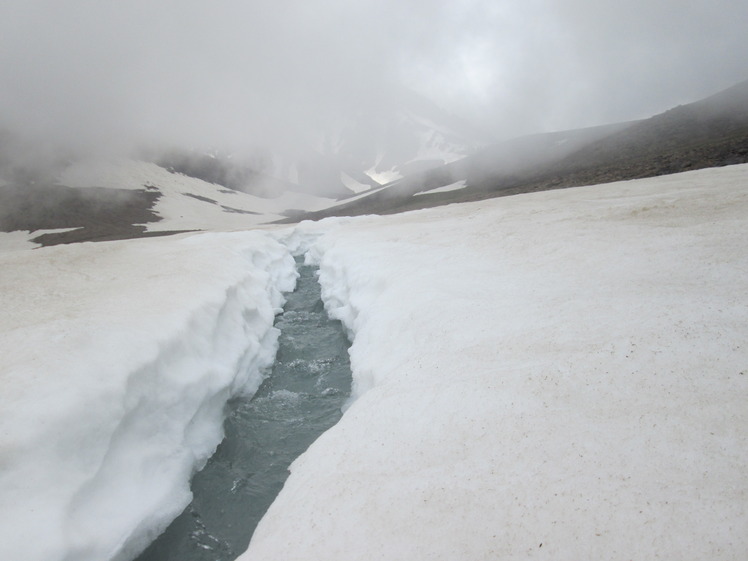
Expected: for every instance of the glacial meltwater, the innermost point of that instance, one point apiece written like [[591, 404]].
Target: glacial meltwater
[[300, 399]]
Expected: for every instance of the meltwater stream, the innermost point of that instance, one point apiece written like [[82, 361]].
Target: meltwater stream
[[301, 398]]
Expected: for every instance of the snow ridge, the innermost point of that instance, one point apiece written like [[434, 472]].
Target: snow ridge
[[139, 396]]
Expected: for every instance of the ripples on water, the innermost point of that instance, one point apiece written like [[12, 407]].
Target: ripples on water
[[300, 399]]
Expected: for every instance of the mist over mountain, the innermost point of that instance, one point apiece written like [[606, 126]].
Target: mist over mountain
[[413, 157], [265, 102], [707, 133], [241, 77]]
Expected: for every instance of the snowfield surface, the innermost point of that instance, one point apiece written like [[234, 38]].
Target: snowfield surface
[[20, 239], [383, 176], [116, 361], [186, 201], [352, 184], [562, 375], [446, 188]]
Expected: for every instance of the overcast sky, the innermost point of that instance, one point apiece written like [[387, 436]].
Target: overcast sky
[[237, 73]]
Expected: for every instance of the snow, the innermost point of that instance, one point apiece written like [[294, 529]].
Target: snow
[[179, 207], [17, 240], [352, 184], [446, 188], [566, 368], [382, 176], [21, 239], [560, 375], [116, 361], [359, 196]]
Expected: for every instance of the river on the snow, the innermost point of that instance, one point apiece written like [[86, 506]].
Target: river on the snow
[[301, 398]]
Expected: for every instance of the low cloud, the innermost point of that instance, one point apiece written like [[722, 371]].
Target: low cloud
[[94, 74]]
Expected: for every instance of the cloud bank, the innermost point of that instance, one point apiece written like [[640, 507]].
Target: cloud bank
[[238, 75]]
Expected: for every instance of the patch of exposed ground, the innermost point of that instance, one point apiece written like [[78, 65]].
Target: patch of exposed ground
[[98, 214]]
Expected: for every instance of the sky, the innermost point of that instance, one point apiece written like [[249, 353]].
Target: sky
[[105, 74]]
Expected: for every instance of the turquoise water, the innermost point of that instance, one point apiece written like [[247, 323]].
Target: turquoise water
[[300, 399]]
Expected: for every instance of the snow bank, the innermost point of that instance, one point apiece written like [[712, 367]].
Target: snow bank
[[116, 361], [562, 375]]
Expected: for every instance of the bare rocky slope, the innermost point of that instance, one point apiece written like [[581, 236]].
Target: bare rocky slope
[[708, 133], [711, 132]]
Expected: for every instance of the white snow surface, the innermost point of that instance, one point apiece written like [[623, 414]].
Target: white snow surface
[[21, 239], [383, 176], [17, 240], [179, 207], [456, 186], [352, 184], [561, 375], [116, 360]]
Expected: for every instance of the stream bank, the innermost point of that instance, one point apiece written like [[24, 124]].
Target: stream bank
[[300, 399]]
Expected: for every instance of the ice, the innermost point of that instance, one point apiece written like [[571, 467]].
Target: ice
[[446, 188], [117, 360], [562, 374]]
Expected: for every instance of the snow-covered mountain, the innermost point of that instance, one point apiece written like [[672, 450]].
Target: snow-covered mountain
[[710, 132], [376, 147], [106, 199], [384, 145], [167, 190], [423, 156]]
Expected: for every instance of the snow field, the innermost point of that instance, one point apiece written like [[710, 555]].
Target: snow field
[[178, 207], [560, 375], [456, 186], [117, 359]]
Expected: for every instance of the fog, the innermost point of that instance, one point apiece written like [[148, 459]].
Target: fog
[[241, 75]]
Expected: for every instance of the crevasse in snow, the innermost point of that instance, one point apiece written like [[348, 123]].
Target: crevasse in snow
[[118, 359]]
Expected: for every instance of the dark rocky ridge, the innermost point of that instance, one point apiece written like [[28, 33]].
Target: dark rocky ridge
[[708, 133]]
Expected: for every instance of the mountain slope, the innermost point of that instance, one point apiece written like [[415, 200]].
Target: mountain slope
[[397, 140], [707, 133], [100, 200]]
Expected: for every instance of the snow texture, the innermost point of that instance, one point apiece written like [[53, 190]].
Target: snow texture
[[18, 240], [116, 361], [560, 375], [181, 207], [383, 176], [352, 184], [446, 188]]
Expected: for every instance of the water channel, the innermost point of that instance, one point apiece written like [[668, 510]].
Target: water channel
[[299, 400]]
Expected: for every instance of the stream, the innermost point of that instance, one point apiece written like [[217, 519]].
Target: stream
[[298, 401]]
